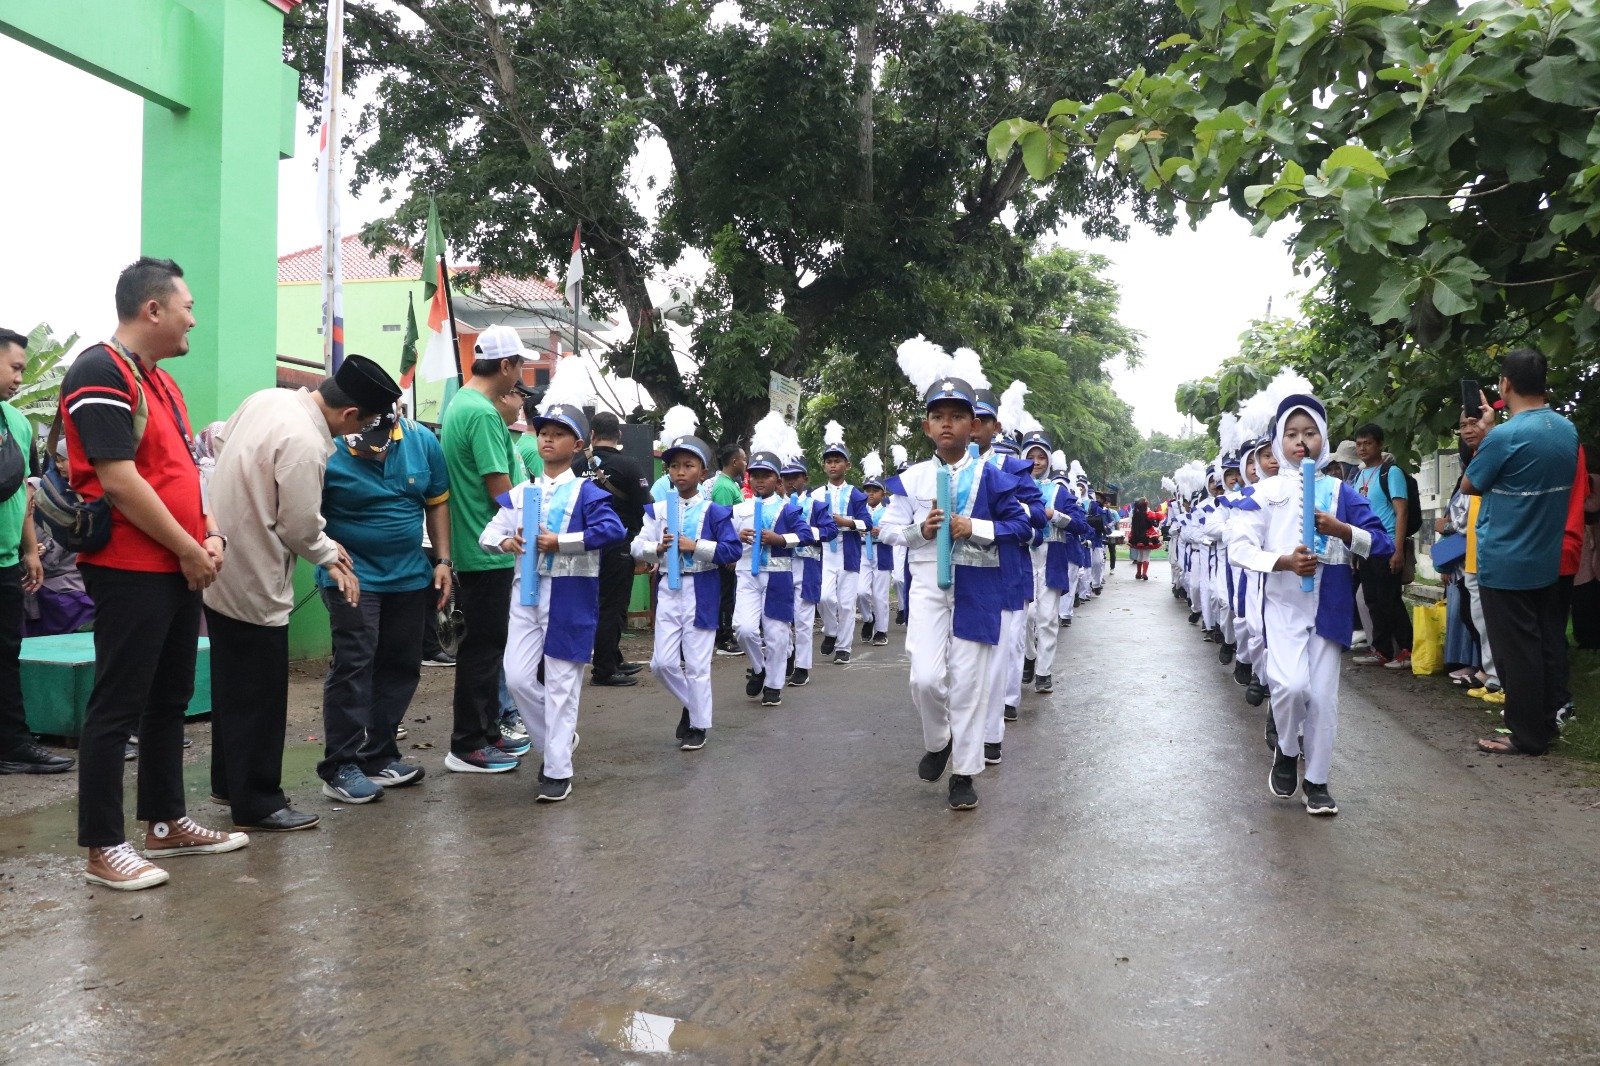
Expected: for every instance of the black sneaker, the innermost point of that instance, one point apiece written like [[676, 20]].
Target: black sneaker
[[772, 697], [841, 657], [799, 677], [1272, 731], [991, 754], [789, 669], [729, 647], [1194, 618], [1042, 683], [828, 644], [683, 724], [900, 617], [1285, 776], [692, 740], [30, 758], [866, 630], [931, 768], [963, 797], [553, 790], [880, 640], [753, 681], [1010, 712], [1256, 693], [1225, 653], [1027, 671], [1319, 800], [1241, 672]]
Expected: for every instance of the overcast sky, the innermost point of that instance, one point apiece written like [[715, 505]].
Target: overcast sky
[[70, 188]]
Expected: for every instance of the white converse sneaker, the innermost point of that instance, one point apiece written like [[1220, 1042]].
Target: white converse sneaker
[[122, 868]]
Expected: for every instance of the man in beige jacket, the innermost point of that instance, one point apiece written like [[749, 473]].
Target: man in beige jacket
[[266, 492]]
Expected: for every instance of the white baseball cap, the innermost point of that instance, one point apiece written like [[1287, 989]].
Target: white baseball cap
[[499, 342]]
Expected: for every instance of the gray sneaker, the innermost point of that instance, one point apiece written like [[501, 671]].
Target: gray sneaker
[[350, 785]]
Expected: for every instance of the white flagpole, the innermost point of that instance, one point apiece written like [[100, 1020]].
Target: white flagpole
[[328, 202]]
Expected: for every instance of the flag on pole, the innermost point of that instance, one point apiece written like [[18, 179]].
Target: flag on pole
[[328, 191], [440, 359], [575, 268], [408, 345]]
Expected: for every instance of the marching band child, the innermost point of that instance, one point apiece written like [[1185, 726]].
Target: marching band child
[[808, 585], [877, 568], [1305, 630], [841, 559], [899, 577], [556, 630], [771, 527], [954, 625], [686, 616], [1052, 561]]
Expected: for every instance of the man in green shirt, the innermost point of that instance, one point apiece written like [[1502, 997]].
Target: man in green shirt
[[480, 458], [727, 489], [527, 443], [20, 569]]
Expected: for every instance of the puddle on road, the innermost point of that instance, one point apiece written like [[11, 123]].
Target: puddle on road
[[640, 1032]]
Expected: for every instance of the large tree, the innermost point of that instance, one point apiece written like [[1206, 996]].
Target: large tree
[[824, 155]]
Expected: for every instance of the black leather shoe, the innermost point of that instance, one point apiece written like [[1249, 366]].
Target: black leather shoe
[[32, 758], [615, 681], [287, 820], [630, 668]]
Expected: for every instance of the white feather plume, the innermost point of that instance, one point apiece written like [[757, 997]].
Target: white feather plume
[[1012, 410], [1076, 472], [872, 465], [897, 452], [678, 422], [569, 383], [1255, 415], [832, 433], [923, 362], [968, 367], [1169, 486], [771, 435], [1058, 460], [1228, 432], [1287, 383]]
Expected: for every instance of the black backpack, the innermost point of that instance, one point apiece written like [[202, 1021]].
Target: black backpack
[[1413, 499]]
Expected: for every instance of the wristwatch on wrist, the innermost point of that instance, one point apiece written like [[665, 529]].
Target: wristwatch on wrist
[[219, 535], [445, 562]]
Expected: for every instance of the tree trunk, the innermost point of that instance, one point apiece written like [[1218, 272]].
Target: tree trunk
[[866, 48]]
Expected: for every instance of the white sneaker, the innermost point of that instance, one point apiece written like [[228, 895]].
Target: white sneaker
[[122, 868], [1359, 639]]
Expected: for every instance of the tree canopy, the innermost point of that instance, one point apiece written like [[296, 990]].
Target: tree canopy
[[825, 156], [1439, 162]]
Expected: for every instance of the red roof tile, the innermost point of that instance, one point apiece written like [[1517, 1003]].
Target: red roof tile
[[361, 264]]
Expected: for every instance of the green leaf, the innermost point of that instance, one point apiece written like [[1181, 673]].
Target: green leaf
[[1064, 107], [1004, 136], [1036, 155], [1565, 80], [1356, 157], [1392, 300], [1175, 40], [1452, 294]]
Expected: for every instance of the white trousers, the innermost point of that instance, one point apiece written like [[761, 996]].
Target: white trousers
[[951, 678], [1012, 624], [764, 640], [549, 708], [1302, 670], [872, 598], [1247, 628], [1098, 564], [897, 576], [1047, 608], [1474, 592], [1075, 585], [682, 655], [838, 602], [805, 623]]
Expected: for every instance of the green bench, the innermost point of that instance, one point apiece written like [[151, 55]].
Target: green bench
[[58, 674]]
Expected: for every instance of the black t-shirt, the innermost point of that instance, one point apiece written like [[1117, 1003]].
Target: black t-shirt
[[630, 488]]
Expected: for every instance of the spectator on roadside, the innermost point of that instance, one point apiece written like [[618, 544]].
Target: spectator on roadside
[[1586, 582], [267, 488], [383, 485], [480, 456], [1579, 509], [630, 495], [1464, 511], [1382, 576], [21, 572], [146, 580], [1524, 470], [1346, 461], [727, 490]]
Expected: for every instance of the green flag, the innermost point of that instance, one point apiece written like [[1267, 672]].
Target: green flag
[[408, 344], [432, 249]]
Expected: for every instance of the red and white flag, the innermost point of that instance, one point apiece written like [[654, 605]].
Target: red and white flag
[[575, 268]]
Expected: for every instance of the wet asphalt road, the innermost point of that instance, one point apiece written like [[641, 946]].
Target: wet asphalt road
[[1127, 891]]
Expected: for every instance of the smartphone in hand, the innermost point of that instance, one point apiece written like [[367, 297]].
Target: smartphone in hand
[[1471, 397]]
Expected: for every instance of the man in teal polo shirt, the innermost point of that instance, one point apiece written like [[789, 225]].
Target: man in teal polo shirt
[[381, 486], [1524, 470]]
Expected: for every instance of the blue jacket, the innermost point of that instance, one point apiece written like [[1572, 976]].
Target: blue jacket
[[849, 540], [825, 529]]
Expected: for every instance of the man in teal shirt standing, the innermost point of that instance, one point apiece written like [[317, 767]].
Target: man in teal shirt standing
[[381, 486], [20, 569], [1524, 470]]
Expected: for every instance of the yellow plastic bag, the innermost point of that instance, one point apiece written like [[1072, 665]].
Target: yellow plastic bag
[[1427, 638]]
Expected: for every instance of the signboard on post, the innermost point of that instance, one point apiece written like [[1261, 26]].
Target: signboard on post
[[784, 395]]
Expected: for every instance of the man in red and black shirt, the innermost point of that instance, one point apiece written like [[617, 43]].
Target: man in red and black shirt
[[129, 440]]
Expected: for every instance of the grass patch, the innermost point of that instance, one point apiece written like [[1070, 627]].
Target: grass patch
[[1581, 739]]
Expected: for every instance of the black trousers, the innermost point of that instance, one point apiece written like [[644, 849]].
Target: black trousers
[[13, 715], [1528, 634], [484, 598], [1586, 615], [1563, 693], [147, 627], [616, 589], [730, 583], [249, 714], [1111, 554], [376, 665], [1391, 622]]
